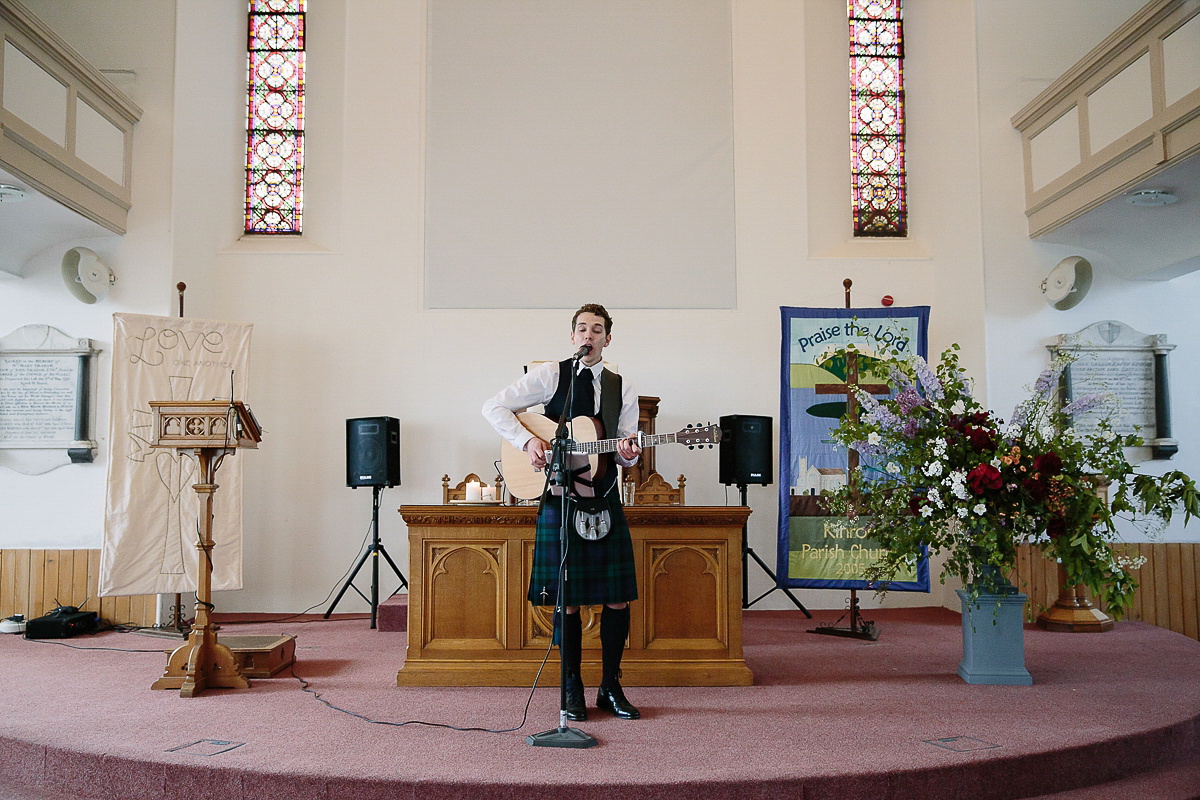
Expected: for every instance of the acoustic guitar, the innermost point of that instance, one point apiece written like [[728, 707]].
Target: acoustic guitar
[[525, 482]]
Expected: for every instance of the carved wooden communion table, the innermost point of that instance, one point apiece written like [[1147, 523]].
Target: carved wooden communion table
[[469, 623]]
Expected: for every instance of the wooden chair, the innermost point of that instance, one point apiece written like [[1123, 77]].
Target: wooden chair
[[655, 491], [459, 493]]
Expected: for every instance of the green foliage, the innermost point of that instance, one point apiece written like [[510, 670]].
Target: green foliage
[[953, 478]]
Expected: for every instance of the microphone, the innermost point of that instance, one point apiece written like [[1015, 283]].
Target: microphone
[[581, 352]]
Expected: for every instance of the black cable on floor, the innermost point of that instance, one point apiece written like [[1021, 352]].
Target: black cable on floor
[[304, 687]]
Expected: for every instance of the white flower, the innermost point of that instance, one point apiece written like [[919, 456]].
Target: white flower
[[926, 511], [873, 438], [935, 497], [1012, 430], [939, 447], [957, 482], [934, 468], [1107, 435], [893, 468], [1047, 433], [980, 509], [962, 512], [958, 408]]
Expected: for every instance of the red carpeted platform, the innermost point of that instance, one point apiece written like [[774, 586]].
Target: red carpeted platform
[[826, 718]]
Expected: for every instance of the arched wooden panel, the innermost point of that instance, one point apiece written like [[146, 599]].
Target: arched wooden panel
[[688, 597], [466, 583]]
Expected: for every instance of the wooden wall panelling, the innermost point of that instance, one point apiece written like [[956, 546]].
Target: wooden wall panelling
[[1191, 604], [1161, 587], [1168, 593], [14, 582], [1143, 600], [85, 576], [37, 582], [33, 582], [1175, 585]]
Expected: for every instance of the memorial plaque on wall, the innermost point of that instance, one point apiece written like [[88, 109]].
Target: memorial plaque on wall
[[1132, 366], [45, 399]]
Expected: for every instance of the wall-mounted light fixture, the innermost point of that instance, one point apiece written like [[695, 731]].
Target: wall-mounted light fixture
[[1151, 197]]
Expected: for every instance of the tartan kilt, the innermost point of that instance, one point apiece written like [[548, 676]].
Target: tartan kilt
[[600, 571]]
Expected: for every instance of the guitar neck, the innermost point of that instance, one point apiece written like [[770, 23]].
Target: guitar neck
[[610, 445]]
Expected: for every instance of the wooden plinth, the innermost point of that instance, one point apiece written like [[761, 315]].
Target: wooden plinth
[[262, 656], [202, 663], [1073, 611], [469, 623]]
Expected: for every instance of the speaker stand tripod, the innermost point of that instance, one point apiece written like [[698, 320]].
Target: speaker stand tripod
[[376, 550], [747, 553]]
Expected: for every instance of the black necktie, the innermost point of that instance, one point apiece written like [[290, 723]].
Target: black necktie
[[584, 403]]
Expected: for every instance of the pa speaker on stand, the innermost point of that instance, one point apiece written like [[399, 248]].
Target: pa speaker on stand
[[372, 452], [745, 458], [372, 459]]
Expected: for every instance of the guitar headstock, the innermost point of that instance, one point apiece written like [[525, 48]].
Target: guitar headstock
[[695, 436]]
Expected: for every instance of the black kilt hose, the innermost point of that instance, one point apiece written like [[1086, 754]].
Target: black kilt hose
[[600, 571]]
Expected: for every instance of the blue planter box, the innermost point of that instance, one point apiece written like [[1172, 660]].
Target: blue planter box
[[993, 635]]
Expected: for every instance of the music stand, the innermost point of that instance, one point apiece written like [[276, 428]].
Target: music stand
[[211, 429]]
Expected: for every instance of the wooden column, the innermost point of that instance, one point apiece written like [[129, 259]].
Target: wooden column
[[1073, 611], [203, 662]]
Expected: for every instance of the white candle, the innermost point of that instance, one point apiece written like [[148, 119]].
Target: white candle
[[489, 494], [474, 493]]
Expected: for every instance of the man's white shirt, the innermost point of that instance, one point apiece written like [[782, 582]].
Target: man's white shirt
[[538, 387]]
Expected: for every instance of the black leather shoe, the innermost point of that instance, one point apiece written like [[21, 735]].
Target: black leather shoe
[[576, 706], [612, 699]]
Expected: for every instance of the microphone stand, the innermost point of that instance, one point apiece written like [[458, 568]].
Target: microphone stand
[[558, 473]]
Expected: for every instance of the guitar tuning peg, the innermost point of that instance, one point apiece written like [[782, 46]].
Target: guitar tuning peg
[[689, 425], [691, 447]]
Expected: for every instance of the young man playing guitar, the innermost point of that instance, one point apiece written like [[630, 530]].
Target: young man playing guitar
[[599, 570]]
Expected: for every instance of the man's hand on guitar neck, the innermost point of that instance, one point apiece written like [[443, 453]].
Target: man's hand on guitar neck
[[538, 450], [628, 448]]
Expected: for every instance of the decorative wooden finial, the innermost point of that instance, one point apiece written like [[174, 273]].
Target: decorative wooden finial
[[181, 286], [847, 283]]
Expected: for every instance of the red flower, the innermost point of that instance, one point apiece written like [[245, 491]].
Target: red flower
[[984, 477], [1056, 527], [1037, 489], [914, 505], [1048, 464], [981, 439]]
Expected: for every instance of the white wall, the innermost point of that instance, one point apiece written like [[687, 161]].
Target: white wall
[[340, 330], [65, 508], [1019, 323]]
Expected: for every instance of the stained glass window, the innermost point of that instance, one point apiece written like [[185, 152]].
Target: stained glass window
[[275, 117], [877, 118]]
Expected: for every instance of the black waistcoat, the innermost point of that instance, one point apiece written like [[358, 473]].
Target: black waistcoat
[[610, 412]]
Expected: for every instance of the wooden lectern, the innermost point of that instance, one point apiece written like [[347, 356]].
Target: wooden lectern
[[211, 430]]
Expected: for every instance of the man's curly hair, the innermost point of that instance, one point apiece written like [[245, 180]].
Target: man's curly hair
[[598, 310]]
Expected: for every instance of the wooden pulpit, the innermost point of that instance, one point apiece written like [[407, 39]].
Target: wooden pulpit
[[211, 430]]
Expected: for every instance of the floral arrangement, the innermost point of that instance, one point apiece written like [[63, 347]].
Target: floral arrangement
[[943, 473]]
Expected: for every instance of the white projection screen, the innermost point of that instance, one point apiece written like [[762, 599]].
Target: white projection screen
[[579, 151]]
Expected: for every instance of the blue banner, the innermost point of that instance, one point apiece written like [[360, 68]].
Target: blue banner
[[817, 551]]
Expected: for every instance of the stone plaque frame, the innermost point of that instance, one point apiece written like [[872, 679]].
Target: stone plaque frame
[[1110, 342], [43, 349]]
